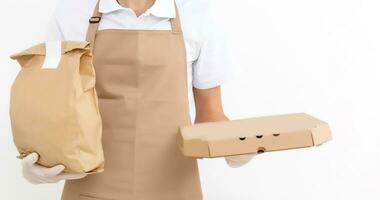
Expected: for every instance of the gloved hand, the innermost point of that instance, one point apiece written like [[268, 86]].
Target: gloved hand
[[37, 174], [239, 160]]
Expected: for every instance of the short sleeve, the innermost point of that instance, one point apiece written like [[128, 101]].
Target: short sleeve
[[213, 67], [73, 26], [53, 32]]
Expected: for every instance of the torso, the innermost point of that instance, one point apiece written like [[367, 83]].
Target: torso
[[74, 27], [143, 101]]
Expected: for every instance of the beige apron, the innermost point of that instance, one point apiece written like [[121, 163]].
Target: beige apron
[[143, 98]]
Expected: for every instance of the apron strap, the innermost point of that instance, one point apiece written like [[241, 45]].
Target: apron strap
[[176, 22], [97, 16], [93, 26]]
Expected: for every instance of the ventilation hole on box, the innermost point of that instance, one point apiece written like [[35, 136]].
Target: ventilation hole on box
[[259, 136], [261, 150], [276, 134], [242, 138]]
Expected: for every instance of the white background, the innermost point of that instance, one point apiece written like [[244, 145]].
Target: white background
[[317, 56]]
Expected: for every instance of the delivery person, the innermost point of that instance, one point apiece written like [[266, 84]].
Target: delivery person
[[148, 63]]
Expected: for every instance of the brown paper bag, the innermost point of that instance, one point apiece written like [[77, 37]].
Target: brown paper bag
[[54, 111]]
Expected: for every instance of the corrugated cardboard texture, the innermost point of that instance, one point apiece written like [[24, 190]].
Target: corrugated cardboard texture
[[260, 134], [54, 112]]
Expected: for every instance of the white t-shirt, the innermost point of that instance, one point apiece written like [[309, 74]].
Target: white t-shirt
[[208, 58]]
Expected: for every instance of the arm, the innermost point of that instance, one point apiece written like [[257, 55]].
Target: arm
[[208, 104]]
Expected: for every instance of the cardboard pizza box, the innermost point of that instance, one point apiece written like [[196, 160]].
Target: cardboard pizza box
[[253, 135]]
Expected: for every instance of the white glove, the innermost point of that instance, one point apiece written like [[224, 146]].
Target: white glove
[[37, 174], [239, 160]]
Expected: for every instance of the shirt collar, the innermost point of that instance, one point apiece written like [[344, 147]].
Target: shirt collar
[[160, 8]]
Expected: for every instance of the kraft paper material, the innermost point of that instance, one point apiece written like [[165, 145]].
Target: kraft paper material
[[54, 109], [253, 135]]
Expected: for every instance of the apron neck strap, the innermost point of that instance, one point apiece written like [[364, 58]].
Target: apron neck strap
[[97, 16], [93, 26], [176, 22]]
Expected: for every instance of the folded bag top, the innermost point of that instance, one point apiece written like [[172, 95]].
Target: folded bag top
[[40, 49], [54, 109]]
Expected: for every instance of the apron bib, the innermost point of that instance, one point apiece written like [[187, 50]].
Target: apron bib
[[141, 81]]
